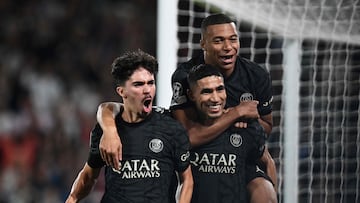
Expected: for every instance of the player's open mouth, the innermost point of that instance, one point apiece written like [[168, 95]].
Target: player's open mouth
[[226, 59], [147, 104]]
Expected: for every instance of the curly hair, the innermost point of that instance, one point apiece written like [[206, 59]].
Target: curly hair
[[126, 64]]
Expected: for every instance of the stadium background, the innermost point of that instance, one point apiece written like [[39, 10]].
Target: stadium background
[[55, 59]]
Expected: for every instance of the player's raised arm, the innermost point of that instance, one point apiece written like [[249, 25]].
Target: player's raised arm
[[110, 143], [83, 184]]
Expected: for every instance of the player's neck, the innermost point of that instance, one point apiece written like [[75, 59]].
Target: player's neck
[[133, 116], [205, 120]]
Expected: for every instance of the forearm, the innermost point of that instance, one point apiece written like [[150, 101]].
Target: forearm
[[267, 127], [187, 186], [106, 113], [110, 144], [266, 122], [200, 134], [81, 187]]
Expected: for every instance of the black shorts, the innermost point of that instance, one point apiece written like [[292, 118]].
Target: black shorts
[[253, 171]]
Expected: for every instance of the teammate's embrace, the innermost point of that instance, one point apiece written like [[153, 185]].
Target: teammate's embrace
[[154, 144], [249, 96]]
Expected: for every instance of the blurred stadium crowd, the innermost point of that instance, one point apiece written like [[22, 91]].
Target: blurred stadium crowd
[[55, 59]]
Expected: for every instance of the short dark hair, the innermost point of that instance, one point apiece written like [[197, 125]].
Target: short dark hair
[[215, 19], [126, 64], [201, 71]]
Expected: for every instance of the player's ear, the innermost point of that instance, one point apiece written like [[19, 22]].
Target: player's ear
[[202, 44], [121, 91], [190, 95]]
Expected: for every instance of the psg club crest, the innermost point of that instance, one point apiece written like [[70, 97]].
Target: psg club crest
[[156, 145], [246, 97], [236, 140]]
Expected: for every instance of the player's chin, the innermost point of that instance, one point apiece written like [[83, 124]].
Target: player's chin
[[214, 114], [144, 113], [227, 66]]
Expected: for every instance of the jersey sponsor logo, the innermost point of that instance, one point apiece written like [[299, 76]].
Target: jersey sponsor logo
[[185, 157], [178, 94], [246, 97], [156, 145], [136, 168], [236, 140], [214, 163]]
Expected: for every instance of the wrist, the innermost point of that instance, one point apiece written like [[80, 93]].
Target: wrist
[[112, 130], [236, 113]]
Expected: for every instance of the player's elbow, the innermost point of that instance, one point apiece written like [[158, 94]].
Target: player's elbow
[[266, 158]]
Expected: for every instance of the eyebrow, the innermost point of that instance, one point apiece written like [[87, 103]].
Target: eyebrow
[[210, 90], [142, 82]]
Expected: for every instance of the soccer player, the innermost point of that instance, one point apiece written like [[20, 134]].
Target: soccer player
[[154, 144], [219, 166], [249, 95], [244, 81]]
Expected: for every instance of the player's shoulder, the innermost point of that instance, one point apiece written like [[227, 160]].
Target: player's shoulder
[[165, 119], [161, 111], [251, 66], [162, 114], [186, 66], [183, 69]]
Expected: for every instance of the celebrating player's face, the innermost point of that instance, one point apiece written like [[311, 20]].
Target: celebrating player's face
[[209, 96], [139, 92], [221, 45]]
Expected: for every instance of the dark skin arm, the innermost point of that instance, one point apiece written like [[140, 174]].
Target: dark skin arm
[[266, 121], [200, 134]]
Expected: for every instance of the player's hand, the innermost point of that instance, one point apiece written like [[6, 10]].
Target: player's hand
[[248, 110], [111, 148], [240, 124]]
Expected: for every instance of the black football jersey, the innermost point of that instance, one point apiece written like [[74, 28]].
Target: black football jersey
[[249, 81], [152, 151], [219, 166]]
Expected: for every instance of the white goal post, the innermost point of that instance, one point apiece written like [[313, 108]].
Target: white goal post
[[312, 51]]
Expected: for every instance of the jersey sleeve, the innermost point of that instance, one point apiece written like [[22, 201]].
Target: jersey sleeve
[[180, 86], [264, 93], [182, 149], [94, 158]]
